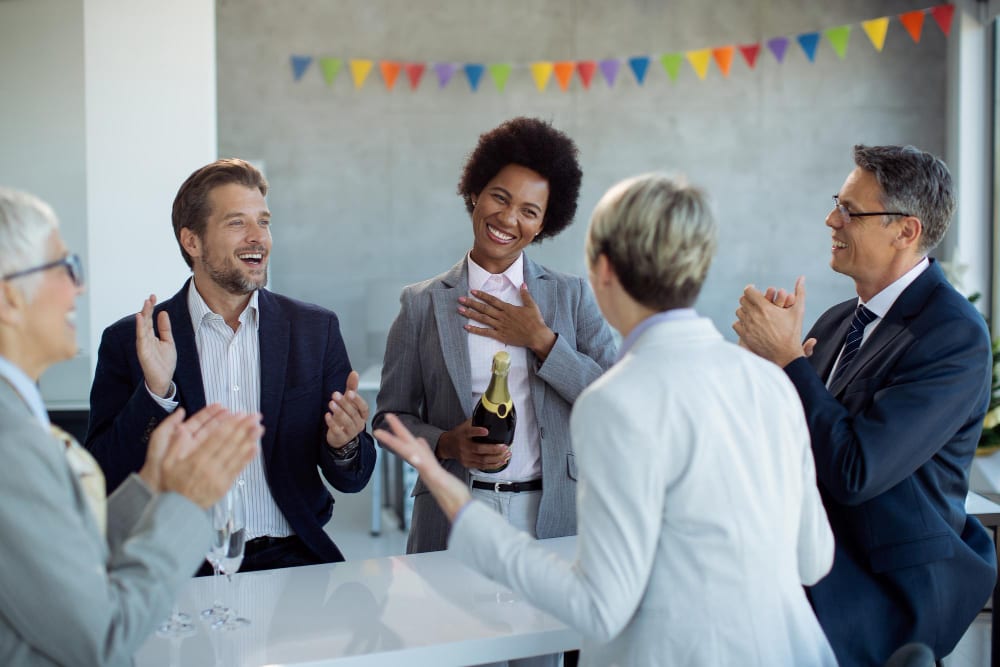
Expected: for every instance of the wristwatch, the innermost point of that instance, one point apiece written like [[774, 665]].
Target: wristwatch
[[348, 450]]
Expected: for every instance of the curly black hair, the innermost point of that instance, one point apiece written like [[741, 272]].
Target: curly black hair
[[534, 144]]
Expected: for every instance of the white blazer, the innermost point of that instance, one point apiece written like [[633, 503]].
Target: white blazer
[[699, 517]]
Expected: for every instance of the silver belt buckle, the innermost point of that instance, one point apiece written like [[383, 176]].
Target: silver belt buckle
[[496, 487]]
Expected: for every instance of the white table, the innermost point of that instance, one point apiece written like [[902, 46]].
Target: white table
[[419, 610]]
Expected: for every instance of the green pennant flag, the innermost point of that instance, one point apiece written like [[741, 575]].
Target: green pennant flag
[[330, 68], [672, 64], [838, 39], [500, 73]]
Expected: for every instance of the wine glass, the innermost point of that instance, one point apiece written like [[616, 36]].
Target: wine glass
[[226, 555]]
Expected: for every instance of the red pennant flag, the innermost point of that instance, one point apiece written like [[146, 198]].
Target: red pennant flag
[[414, 71], [586, 69], [390, 70], [564, 73], [750, 52], [723, 57], [942, 14], [914, 23]]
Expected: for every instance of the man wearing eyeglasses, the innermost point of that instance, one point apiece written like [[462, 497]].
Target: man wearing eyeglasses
[[895, 385], [224, 338]]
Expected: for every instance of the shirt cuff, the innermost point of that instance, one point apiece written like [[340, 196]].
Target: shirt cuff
[[169, 403]]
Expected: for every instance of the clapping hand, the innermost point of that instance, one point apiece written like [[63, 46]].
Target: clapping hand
[[521, 326], [157, 355], [770, 324], [348, 414]]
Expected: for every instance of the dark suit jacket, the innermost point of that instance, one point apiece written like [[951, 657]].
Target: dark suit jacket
[[302, 361], [893, 440]]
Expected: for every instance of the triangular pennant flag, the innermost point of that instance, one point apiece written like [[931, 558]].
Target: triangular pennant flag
[[586, 69], [299, 65], [750, 52], [330, 68], [699, 61], [723, 57], [942, 15], [672, 64], [444, 73], [541, 72], [500, 73], [359, 71], [564, 73], [876, 29], [390, 71], [414, 71], [838, 38], [914, 23], [809, 41], [609, 69], [474, 72], [778, 46], [639, 65]]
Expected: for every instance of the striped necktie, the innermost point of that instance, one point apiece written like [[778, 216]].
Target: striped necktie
[[89, 475], [862, 318]]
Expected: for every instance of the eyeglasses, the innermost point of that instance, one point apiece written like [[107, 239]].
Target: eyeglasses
[[74, 267], [845, 215]]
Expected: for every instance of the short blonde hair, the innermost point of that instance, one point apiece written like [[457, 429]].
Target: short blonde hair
[[659, 236], [26, 223]]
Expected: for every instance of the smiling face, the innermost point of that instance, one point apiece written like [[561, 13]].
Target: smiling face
[[507, 216], [235, 248], [49, 332]]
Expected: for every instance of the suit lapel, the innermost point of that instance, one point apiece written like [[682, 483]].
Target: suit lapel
[[187, 375], [546, 294], [274, 337], [451, 334]]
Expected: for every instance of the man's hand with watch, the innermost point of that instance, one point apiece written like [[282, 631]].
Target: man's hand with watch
[[346, 419]]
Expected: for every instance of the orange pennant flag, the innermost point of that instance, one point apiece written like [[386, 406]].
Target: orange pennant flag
[[586, 69], [564, 73], [414, 71], [876, 29], [699, 61], [723, 57], [390, 70], [359, 71], [541, 72], [914, 23]]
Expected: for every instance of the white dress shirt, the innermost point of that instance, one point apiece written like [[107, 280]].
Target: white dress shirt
[[526, 459]]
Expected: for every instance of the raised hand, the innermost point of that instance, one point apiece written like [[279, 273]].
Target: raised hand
[[167, 435], [348, 414], [770, 324], [449, 491], [458, 444], [522, 326], [157, 355]]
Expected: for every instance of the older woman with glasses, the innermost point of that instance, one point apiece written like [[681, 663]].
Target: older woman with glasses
[[699, 516], [85, 578]]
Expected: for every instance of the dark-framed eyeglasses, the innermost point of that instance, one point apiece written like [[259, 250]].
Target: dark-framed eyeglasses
[[846, 215], [74, 267]]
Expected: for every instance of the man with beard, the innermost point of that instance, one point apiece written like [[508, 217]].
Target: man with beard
[[225, 339]]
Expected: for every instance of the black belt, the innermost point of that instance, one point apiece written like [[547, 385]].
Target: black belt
[[512, 487], [266, 542]]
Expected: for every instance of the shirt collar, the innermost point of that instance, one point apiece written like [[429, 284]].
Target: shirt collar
[[882, 302], [200, 311], [672, 315], [478, 275], [26, 388]]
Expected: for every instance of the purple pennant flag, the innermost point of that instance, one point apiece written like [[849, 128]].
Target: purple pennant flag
[[778, 46], [444, 72], [609, 68]]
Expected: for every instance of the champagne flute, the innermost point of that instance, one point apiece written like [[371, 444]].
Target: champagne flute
[[229, 521]]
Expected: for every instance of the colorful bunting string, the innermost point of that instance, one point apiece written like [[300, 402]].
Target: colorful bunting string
[[700, 60]]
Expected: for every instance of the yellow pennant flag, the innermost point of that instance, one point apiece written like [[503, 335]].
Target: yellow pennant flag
[[359, 71], [876, 29], [699, 61], [541, 72]]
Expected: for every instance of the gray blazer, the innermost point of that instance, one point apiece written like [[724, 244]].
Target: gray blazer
[[426, 381], [67, 595]]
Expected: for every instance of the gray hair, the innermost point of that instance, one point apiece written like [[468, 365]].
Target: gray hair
[[659, 236], [26, 222], [915, 182]]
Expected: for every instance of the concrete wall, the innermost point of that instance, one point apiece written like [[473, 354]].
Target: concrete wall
[[363, 181]]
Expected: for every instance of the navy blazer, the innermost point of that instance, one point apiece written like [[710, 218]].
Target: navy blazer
[[302, 362], [893, 440]]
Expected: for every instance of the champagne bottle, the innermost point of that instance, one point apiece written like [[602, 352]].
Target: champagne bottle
[[495, 409]]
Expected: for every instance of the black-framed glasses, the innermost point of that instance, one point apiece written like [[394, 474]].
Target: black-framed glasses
[[74, 267], [845, 215]]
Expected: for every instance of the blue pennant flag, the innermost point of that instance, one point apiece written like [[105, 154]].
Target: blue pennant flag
[[639, 66], [299, 65], [474, 72], [809, 41]]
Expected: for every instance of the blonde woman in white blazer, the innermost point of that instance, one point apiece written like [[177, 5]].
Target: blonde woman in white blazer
[[699, 517]]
